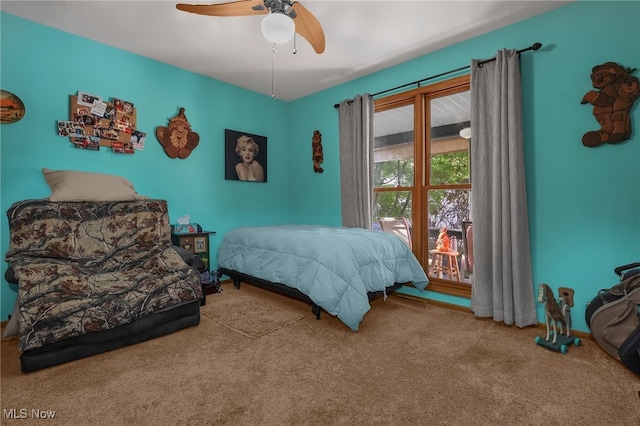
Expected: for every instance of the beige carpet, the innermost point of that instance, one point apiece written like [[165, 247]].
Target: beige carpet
[[410, 364], [248, 316]]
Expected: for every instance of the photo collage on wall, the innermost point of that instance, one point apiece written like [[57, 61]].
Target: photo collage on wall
[[96, 122]]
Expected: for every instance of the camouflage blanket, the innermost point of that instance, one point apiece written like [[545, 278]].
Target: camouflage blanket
[[84, 267]]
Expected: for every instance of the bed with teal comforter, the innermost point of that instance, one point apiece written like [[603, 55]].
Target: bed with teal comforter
[[336, 267]]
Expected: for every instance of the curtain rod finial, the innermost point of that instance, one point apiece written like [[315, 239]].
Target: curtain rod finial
[[536, 46]]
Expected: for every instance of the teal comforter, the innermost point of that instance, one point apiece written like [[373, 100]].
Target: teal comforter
[[336, 267]]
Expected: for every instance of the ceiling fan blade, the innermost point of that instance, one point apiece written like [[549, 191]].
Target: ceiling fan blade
[[234, 8], [308, 27]]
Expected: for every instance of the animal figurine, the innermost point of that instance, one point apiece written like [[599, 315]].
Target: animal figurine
[[443, 243], [557, 317], [554, 316], [317, 156], [616, 91]]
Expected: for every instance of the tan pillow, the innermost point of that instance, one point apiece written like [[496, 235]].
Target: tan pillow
[[69, 185]]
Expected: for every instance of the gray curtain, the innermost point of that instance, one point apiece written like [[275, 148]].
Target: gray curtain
[[502, 279], [356, 160]]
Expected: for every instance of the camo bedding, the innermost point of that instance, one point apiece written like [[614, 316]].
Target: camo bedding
[[86, 267]]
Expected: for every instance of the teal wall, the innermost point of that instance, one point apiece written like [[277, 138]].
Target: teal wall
[[584, 203], [44, 66]]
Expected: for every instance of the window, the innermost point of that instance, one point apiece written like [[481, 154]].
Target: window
[[422, 173], [393, 157]]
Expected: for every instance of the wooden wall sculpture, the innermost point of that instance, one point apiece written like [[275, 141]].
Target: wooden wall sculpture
[[616, 91], [316, 147], [177, 139]]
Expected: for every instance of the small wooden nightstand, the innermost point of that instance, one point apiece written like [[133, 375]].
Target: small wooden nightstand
[[197, 243]]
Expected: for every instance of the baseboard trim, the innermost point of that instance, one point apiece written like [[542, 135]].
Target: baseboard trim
[[541, 326]]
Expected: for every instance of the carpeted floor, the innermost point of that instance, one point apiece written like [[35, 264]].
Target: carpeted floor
[[410, 364], [249, 316]]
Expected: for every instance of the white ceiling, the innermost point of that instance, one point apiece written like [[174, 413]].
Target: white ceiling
[[361, 36]]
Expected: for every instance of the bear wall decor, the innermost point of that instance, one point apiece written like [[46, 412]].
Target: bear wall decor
[[616, 91], [177, 139]]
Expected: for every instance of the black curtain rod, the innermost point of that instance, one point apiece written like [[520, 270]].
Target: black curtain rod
[[534, 46]]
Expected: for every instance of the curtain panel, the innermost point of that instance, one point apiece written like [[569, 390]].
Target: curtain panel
[[502, 283], [355, 119]]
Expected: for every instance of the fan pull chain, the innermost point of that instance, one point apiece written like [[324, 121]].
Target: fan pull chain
[[273, 71], [294, 51]]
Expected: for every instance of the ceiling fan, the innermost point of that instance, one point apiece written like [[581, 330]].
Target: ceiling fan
[[284, 17]]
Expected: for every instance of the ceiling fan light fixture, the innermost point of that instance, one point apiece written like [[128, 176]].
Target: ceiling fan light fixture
[[278, 28]]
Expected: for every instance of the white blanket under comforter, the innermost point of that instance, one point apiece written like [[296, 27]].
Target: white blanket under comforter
[[336, 267]]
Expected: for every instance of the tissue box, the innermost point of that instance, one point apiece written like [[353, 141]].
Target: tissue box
[[186, 229]]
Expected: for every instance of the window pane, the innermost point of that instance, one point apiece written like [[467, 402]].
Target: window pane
[[393, 148], [450, 168], [449, 208], [391, 204], [394, 173], [449, 151]]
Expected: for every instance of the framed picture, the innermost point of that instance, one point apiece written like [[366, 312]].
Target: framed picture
[[199, 244], [245, 156]]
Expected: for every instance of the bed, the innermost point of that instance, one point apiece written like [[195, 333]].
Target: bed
[[95, 276], [335, 269]]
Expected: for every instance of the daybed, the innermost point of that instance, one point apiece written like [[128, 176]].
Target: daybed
[[336, 269], [95, 276]]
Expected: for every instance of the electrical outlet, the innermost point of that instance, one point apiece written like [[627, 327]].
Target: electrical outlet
[[567, 294]]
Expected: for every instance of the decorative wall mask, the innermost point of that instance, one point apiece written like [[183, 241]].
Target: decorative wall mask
[[316, 146], [177, 139], [616, 91]]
